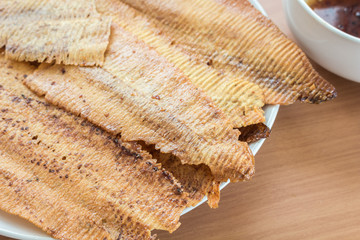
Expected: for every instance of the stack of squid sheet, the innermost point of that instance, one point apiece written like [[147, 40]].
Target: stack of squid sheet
[[116, 115]]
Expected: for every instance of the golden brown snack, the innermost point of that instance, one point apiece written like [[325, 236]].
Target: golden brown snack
[[66, 31], [238, 41], [196, 180], [12, 73], [240, 100], [254, 132], [72, 179], [142, 96]]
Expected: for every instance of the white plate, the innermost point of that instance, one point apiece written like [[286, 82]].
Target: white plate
[[18, 228]]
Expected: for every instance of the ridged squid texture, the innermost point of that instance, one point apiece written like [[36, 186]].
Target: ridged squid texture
[[66, 31], [72, 179], [196, 180], [238, 41], [241, 101], [142, 96]]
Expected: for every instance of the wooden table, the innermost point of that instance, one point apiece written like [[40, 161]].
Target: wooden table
[[307, 183]]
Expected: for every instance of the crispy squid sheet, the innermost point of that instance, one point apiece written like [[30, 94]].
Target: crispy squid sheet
[[142, 96], [196, 180], [74, 180], [240, 100], [237, 40], [66, 31], [12, 73]]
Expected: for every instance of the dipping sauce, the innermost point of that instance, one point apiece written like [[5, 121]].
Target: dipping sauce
[[342, 14]]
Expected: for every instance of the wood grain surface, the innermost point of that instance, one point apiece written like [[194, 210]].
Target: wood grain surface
[[307, 182]]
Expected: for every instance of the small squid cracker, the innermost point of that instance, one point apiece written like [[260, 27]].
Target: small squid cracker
[[72, 33]]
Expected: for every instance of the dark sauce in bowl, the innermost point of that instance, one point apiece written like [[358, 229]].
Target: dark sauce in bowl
[[342, 14]]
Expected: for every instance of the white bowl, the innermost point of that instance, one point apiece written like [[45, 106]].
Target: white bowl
[[332, 48]]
